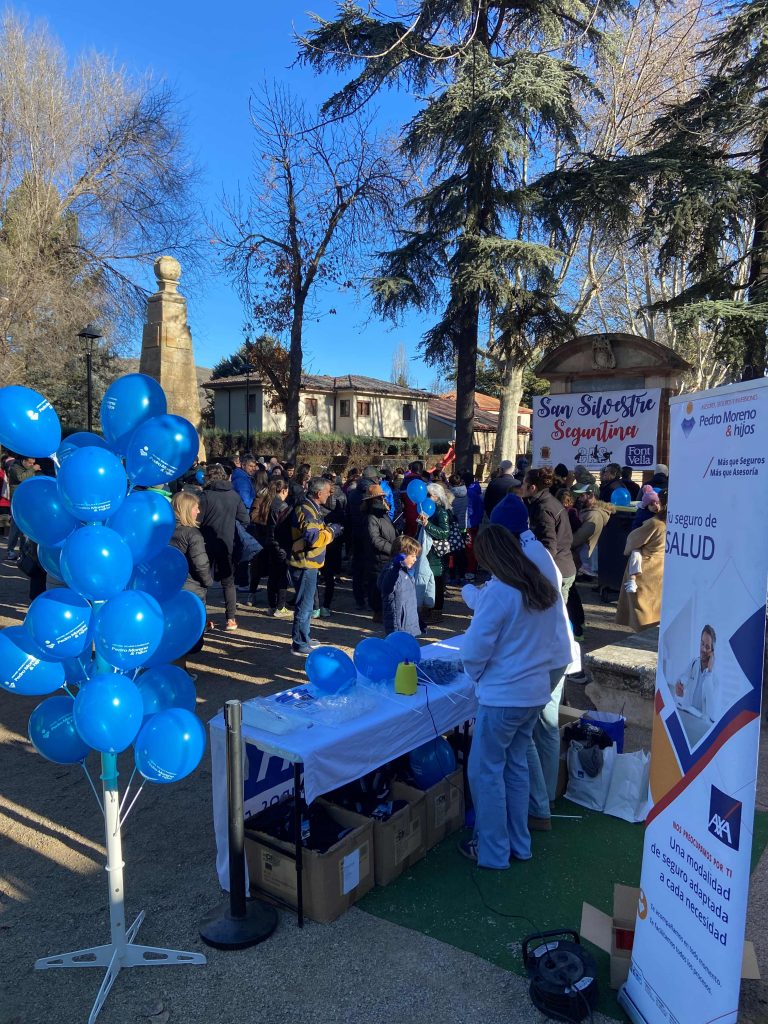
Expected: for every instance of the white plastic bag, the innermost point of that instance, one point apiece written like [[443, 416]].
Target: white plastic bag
[[628, 793], [584, 789]]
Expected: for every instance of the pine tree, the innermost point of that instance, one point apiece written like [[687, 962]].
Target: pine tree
[[500, 82], [704, 169]]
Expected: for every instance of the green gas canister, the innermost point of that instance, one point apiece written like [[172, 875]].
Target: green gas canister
[[406, 680]]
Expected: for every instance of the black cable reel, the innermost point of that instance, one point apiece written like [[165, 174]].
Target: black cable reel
[[563, 982]]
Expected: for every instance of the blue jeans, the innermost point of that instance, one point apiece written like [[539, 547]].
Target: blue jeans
[[14, 535], [305, 584], [498, 779], [544, 755]]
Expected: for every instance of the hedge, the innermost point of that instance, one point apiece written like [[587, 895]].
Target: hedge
[[340, 449]]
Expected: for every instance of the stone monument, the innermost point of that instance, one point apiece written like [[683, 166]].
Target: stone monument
[[166, 346]]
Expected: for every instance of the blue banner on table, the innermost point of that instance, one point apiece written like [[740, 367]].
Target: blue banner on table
[[592, 429], [687, 953]]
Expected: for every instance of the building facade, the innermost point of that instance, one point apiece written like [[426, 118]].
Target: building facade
[[352, 404], [442, 423]]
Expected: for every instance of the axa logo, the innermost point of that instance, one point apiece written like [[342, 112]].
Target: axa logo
[[724, 818]]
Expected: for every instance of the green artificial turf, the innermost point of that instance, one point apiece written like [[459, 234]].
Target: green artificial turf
[[488, 912]]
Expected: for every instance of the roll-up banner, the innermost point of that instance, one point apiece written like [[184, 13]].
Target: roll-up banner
[[593, 429], [687, 953]]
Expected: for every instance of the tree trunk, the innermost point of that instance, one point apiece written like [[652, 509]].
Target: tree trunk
[[295, 358], [506, 433], [754, 345], [466, 378]]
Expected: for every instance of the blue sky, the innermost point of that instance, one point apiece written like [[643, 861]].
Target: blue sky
[[213, 57]]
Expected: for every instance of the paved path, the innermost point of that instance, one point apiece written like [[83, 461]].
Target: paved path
[[359, 969]]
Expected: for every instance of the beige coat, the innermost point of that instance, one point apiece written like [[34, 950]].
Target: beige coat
[[643, 609]]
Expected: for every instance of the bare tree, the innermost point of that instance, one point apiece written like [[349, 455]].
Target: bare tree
[[320, 197], [401, 372], [94, 183]]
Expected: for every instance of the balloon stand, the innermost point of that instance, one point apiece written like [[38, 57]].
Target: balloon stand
[[121, 951]]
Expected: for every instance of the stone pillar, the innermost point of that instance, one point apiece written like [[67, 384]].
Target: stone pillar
[[166, 345]]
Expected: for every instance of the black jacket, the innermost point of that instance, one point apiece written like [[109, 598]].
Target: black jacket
[[279, 537], [189, 541], [550, 524], [220, 506], [380, 536], [497, 489]]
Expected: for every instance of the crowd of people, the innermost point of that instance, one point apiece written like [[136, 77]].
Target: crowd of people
[[525, 539]]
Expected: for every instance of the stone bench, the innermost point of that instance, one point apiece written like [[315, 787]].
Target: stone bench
[[623, 677]]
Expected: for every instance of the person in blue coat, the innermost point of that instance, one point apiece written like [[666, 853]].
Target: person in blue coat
[[397, 587]]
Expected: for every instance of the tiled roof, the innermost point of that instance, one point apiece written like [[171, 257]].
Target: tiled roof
[[486, 403], [443, 407], [323, 382]]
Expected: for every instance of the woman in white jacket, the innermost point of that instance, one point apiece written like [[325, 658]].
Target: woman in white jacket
[[516, 638]]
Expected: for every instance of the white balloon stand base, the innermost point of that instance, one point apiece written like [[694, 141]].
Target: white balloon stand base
[[122, 951]]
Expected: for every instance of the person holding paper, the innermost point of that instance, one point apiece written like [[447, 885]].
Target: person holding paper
[[696, 690]]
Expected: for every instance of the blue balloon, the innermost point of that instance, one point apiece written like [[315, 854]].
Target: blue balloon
[[621, 496], [128, 402], [428, 507], [161, 576], [50, 559], [200, 477], [375, 659], [146, 522], [92, 484], [161, 450], [53, 733], [128, 629], [416, 491], [406, 646], [96, 562], [108, 712], [431, 762], [28, 423], [74, 442], [166, 686], [170, 746], [185, 619], [40, 513], [59, 621], [23, 669], [330, 670]]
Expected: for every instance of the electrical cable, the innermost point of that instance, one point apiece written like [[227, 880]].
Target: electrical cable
[[501, 913]]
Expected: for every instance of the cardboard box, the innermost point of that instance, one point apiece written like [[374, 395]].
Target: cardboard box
[[331, 881], [398, 843], [616, 934], [443, 802]]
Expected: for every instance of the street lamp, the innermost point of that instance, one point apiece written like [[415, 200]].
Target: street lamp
[[89, 334]]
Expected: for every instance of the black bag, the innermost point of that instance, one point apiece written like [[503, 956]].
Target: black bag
[[28, 561]]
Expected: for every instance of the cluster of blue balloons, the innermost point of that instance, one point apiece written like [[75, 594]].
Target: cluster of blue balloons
[[331, 670], [431, 762], [120, 617], [419, 495]]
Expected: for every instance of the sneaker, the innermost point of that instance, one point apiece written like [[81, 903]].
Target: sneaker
[[314, 644], [325, 613], [578, 637], [280, 613], [301, 652], [11, 557], [468, 848], [577, 677], [539, 824], [211, 624], [231, 626], [316, 613], [242, 589]]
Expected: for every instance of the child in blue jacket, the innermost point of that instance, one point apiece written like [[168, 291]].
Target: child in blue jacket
[[398, 588]]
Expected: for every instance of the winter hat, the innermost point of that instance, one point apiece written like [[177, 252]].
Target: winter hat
[[649, 497], [662, 469], [371, 473], [511, 513]]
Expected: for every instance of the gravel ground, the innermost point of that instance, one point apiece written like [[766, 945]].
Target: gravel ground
[[53, 894]]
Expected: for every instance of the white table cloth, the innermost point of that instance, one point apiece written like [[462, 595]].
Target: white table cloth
[[335, 755]]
